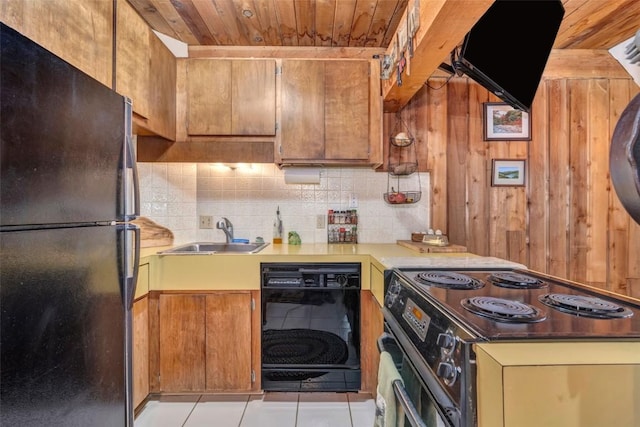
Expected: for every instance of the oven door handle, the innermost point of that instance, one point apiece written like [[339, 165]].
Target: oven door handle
[[408, 407], [402, 397]]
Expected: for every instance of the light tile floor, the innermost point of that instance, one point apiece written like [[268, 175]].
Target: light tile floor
[[260, 410]]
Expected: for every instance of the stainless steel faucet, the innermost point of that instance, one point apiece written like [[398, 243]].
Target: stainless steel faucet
[[225, 225]]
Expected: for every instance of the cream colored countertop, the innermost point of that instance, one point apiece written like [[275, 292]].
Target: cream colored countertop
[[242, 271]]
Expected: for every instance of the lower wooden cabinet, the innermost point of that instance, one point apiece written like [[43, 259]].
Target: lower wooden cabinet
[[228, 342], [140, 351], [205, 342]]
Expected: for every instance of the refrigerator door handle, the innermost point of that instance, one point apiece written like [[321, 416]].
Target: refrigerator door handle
[[129, 260], [130, 187]]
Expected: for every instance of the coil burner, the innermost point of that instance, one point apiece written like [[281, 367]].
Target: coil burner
[[448, 280], [585, 306], [503, 310], [513, 280]]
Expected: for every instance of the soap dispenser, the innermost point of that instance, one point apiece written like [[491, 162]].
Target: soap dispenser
[[277, 228]]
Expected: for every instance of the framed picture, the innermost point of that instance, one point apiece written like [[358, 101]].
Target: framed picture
[[505, 172], [502, 122]]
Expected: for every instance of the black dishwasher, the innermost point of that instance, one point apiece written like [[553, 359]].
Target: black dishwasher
[[310, 326]]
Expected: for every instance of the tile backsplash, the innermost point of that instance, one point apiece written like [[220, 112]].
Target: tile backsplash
[[175, 194]]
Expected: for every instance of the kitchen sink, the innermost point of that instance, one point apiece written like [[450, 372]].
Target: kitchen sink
[[207, 248]]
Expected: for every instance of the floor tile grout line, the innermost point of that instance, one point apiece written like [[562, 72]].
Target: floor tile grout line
[[191, 411], [244, 410]]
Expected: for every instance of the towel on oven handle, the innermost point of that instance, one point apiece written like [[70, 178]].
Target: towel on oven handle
[[386, 399]]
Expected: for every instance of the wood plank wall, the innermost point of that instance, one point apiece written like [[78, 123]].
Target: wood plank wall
[[566, 221]]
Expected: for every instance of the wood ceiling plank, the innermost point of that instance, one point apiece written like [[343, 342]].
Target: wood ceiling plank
[[342, 22], [267, 17], [228, 14], [212, 20], [248, 22], [442, 27], [380, 22], [597, 24], [393, 22], [178, 25], [287, 19], [306, 22], [325, 13], [362, 17], [156, 20], [194, 21]]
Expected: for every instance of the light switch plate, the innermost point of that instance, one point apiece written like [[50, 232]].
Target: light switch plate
[[320, 222]]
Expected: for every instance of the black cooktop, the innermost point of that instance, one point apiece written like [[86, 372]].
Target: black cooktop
[[514, 304]]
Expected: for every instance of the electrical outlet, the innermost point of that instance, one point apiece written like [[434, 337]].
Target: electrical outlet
[[353, 200], [206, 221], [320, 222]]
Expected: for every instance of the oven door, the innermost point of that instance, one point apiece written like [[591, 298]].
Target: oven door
[[416, 404]]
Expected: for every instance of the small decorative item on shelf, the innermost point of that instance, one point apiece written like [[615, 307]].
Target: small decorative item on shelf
[[342, 226]]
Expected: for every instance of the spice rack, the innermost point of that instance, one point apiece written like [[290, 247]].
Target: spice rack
[[342, 226]]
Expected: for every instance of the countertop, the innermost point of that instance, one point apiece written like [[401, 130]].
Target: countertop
[[235, 271]]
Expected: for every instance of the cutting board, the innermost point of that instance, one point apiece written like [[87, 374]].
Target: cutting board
[[424, 248], [153, 234]]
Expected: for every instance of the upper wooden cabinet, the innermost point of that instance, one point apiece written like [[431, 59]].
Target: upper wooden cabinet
[[146, 73], [231, 97], [80, 32], [330, 113], [132, 57]]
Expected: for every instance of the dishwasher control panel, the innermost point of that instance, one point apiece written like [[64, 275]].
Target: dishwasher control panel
[[310, 275]]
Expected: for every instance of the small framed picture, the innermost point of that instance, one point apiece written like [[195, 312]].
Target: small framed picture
[[507, 173], [502, 122]]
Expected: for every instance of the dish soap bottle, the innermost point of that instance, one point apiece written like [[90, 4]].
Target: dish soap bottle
[[277, 228]]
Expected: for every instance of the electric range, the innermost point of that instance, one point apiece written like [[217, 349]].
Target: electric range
[[448, 320]]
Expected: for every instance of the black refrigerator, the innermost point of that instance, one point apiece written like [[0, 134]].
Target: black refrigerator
[[68, 254]]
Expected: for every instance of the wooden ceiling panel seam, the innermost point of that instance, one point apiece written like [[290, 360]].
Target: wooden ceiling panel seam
[[194, 21], [286, 14], [248, 22], [231, 16], [342, 22], [265, 14], [305, 22], [392, 27], [362, 17], [380, 22], [325, 17]]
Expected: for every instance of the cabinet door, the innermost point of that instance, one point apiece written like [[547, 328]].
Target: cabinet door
[[303, 131], [162, 90], [231, 97], [346, 110], [208, 97], [253, 97], [140, 350], [132, 57], [80, 32], [182, 342], [228, 341]]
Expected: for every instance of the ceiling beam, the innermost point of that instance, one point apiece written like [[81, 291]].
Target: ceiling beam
[[284, 52], [443, 25]]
